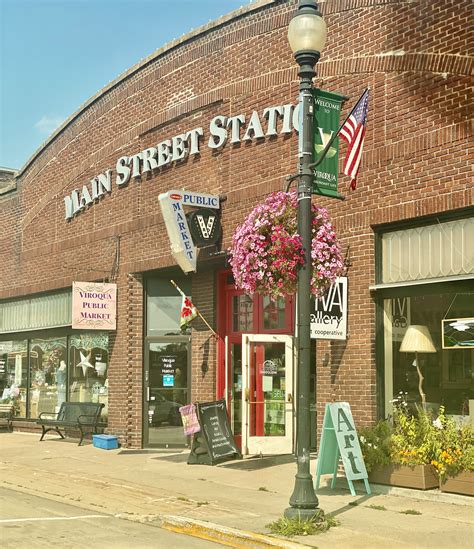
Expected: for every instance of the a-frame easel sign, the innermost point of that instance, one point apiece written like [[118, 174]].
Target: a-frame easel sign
[[339, 439]]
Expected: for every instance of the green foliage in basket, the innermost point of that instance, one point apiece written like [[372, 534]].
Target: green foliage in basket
[[375, 444], [415, 440], [456, 451], [418, 438]]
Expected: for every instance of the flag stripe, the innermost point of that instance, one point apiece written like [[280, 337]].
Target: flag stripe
[[353, 132], [354, 152]]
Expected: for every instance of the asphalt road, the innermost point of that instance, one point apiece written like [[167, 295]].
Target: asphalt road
[[28, 521]]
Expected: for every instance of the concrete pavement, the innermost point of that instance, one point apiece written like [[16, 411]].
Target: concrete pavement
[[230, 503], [32, 521]]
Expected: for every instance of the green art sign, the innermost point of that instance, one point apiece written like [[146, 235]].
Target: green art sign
[[339, 440], [327, 110]]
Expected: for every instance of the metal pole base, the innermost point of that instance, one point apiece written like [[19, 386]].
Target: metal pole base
[[305, 515], [304, 502]]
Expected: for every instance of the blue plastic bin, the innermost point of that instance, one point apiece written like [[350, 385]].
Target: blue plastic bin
[[106, 442]]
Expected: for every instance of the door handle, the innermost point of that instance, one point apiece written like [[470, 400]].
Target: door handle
[[148, 393], [290, 397]]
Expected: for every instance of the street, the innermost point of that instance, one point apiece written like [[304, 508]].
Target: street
[[32, 521]]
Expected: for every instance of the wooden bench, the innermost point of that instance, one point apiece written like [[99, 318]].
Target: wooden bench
[[84, 416], [6, 415]]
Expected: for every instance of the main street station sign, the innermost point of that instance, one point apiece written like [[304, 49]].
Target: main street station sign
[[272, 121]]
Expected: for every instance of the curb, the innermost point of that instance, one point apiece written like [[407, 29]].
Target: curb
[[434, 495], [240, 539]]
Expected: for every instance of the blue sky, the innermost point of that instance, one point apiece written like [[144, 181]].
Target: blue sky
[[56, 54]]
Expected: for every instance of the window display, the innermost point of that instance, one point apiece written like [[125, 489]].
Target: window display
[[423, 368], [88, 362], [39, 374], [13, 375], [48, 372]]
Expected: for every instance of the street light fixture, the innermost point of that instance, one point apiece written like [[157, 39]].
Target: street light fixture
[[307, 37]]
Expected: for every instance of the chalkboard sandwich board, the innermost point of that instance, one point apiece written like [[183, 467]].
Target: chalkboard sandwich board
[[215, 441]]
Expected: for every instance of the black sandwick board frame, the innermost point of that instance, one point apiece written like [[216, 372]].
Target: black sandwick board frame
[[203, 448]]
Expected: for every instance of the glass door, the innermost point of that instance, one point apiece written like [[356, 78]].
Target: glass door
[[267, 396], [165, 390]]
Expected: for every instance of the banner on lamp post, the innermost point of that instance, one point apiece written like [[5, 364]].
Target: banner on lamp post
[[327, 110]]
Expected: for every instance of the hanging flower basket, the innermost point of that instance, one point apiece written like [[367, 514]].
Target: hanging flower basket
[[267, 250]]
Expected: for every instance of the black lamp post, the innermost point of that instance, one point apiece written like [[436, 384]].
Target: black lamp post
[[307, 37]]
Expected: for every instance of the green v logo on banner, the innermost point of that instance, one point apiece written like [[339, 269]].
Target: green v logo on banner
[[327, 110]]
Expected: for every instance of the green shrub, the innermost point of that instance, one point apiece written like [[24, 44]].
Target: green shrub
[[416, 438], [456, 451], [375, 444]]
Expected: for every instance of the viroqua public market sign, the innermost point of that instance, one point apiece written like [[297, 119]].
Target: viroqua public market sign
[[182, 241], [94, 306]]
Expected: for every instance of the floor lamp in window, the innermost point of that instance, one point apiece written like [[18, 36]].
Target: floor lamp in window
[[417, 339]]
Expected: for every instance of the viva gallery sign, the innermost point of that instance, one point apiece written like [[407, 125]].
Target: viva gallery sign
[[328, 314]]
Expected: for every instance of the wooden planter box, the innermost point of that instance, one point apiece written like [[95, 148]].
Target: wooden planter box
[[462, 483], [422, 477]]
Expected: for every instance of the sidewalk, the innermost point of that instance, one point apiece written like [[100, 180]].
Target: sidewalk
[[231, 502]]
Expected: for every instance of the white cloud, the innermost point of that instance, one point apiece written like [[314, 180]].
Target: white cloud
[[47, 124]]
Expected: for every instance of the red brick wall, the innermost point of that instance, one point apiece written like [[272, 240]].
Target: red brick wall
[[415, 57]]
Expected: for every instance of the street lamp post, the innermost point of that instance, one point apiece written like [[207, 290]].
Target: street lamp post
[[307, 37]]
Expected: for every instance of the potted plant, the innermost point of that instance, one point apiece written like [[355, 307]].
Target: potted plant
[[375, 444], [454, 461], [400, 451]]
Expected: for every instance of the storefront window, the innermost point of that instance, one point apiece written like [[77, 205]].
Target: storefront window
[[164, 306], [13, 375], [448, 372], [242, 313], [88, 368], [274, 313], [48, 370]]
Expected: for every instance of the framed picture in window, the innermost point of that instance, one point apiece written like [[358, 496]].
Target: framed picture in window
[[457, 333]]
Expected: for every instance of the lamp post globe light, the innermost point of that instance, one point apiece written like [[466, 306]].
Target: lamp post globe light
[[307, 37]]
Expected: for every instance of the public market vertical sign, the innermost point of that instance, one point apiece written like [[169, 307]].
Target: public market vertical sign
[[94, 306], [328, 314], [327, 111]]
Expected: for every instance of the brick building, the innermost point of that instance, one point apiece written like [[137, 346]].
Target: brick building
[[407, 229]]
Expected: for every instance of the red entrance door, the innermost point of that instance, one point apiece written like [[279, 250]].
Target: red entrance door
[[240, 314]]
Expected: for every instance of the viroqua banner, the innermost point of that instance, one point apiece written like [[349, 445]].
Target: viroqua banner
[[327, 110]]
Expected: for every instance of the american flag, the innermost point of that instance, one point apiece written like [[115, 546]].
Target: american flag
[[353, 131]]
